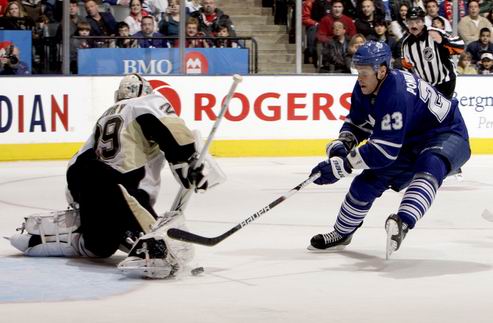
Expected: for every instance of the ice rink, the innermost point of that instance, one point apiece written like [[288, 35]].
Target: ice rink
[[263, 273]]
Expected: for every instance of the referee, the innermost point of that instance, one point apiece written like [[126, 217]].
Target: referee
[[427, 51]]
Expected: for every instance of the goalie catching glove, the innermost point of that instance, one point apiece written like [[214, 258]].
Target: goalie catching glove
[[190, 177]]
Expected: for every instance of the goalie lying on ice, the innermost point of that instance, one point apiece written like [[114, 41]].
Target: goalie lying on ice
[[129, 146]]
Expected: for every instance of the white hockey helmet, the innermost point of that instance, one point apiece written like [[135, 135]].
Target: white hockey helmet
[[132, 86]]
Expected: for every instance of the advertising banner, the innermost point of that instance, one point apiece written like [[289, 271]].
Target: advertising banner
[[16, 47], [58, 109], [162, 61]]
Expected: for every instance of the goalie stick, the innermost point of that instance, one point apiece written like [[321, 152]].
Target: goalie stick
[[194, 238], [183, 195]]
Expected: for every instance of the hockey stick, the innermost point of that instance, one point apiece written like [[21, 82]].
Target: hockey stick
[[194, 238], [183, 195]]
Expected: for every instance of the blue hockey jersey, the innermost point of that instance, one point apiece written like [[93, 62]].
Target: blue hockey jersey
[[406, 112]]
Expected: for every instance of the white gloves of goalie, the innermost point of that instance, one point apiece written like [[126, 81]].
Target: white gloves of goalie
[[190, 177]]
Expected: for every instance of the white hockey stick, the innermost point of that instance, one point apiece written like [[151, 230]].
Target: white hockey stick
[[183, 195], [487, 215]]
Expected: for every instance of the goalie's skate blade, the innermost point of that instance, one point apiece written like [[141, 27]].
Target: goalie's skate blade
[[328, 250], [392, 229], [7, 238]]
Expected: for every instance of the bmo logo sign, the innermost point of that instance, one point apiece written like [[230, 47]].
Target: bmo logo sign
[[196, 63]]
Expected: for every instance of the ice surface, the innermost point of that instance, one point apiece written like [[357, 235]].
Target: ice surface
[[263, 273]]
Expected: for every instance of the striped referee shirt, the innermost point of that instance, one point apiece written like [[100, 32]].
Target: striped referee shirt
[[429, 59]]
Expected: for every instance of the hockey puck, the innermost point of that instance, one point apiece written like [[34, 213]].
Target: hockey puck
[[197, 271]]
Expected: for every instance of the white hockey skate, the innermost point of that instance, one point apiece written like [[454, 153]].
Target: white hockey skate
[[396, 232]]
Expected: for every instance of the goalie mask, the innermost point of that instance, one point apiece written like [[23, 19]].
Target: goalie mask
[[132, 86]]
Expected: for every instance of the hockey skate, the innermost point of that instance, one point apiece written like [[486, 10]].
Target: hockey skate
[[396, 232], [329, 242]]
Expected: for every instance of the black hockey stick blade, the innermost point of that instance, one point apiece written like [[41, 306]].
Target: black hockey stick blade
[[186, 236]]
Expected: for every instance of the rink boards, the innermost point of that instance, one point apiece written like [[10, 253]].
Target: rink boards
[[49, 117]]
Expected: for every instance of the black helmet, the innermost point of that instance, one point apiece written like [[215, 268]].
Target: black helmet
[[415, 13]]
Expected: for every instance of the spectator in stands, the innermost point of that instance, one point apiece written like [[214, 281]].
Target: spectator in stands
[[464, 66], [381, 34], [134, 20], [485, 66], [447, 11], [156, 8], [355, 42], [102, 23], [124, 31], [470, 25], [366, 18], [312, 12], [170, 21], [75, 18], [147, 30], [432, 12], [192, 30], [398, 27], [334, 51], [439, 23], [379, 8], [16, 10], [481, 45], [83, 30], [324, 32], [3, 6], [34, 8], [209, 17], [221, 42]]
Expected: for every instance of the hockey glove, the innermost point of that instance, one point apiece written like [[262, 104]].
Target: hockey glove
[[341, 146], [189, 177], [331, 170], [336, 149]]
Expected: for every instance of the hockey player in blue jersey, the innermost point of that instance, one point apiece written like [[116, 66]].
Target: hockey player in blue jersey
[[414, 137]]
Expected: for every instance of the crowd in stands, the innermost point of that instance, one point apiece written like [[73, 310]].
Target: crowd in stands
[[335, 28], [149, 24]]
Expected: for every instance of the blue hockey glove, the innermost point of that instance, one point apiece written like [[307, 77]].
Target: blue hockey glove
[[336, 149], [342, 145], [331, 170]]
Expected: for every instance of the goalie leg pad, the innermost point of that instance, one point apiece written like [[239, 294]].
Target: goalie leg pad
[[51, 235], [155, 255]]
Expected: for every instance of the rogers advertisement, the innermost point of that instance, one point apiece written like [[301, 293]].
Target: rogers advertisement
[[64, 109]]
